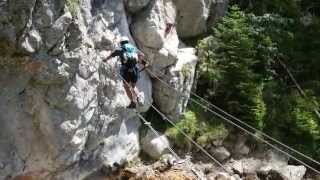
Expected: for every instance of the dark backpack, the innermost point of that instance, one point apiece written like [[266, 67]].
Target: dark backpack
[[130, 55]]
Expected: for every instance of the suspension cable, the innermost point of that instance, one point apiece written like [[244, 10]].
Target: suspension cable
[[293, 79], [180, 130], [156, 133], [244, 123], [147, 123], [231, 122], [255, 135], [169, 148], [254, 129], [189, 138]]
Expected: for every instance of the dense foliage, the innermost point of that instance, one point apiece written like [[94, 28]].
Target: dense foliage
[[196, 123], [236, 58], [287, 8], [199, 126], [240, 69]]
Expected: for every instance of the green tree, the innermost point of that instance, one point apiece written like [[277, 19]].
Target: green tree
[[236, 61], [291, 119], [240, 71]]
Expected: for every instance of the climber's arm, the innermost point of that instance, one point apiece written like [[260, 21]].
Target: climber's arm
[[142, 60], [113, 54]]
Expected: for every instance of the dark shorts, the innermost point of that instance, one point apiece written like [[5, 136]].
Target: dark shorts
[[131, 75]]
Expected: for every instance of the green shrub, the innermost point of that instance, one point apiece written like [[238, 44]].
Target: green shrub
[[291, 119], [235, 63], [73, 6], [185, 71], [189, 124], [199, 126], [212, 133]]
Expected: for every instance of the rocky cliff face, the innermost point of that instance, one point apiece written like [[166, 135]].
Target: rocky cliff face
[[62, 111]]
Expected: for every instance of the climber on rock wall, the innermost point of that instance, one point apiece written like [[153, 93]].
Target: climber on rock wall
[[130, 57]]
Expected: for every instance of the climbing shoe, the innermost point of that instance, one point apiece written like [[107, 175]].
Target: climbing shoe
[[140, 99], [132, 105]]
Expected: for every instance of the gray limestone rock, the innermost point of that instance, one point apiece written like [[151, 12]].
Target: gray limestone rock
[[32, 42], [217, 10], [192, 17], [135, 6], [57, 31], [240, 148], [283, 172], [62, 111], [223, 176], [154, 146], [173, 101], [267, 169], [197, 16], [149, 26], [155, 32], [220, 153]]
